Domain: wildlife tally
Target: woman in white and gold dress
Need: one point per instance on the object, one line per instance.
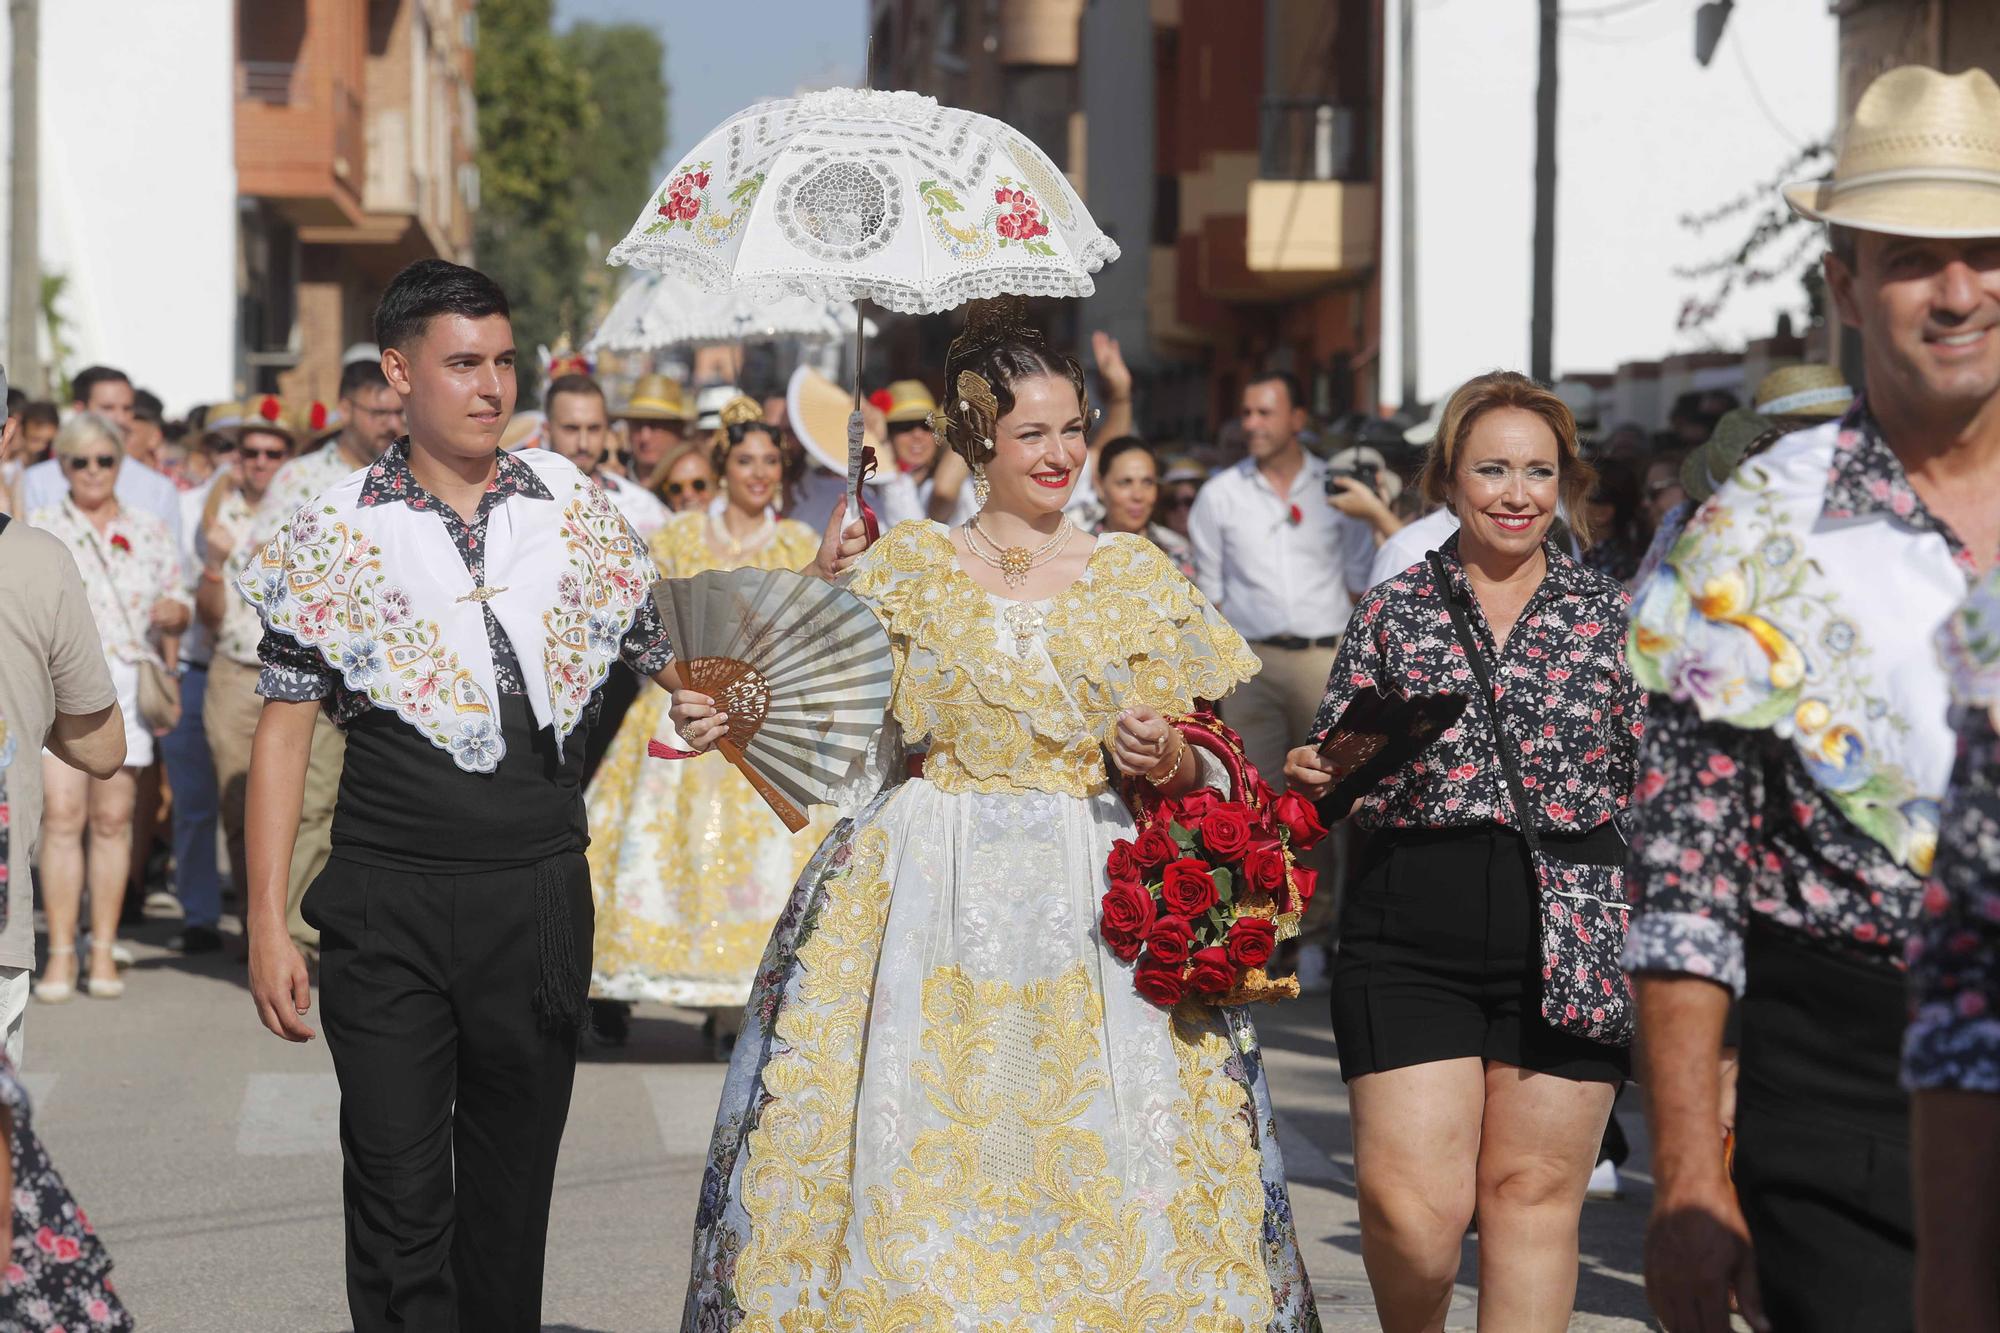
(948, 1109)
(689, 865)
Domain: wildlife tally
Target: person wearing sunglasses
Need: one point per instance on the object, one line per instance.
(132, 581)
(686, 477)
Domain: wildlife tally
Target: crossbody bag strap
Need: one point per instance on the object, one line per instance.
(1524, 814)
(124, 613)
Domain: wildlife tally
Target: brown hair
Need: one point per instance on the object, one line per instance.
(1508, 388)
(657, 483)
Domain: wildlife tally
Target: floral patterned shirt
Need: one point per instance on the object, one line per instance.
(126, 569)
(294, 671)
(1954, 1038)
(1567, 699)
(1731, 823)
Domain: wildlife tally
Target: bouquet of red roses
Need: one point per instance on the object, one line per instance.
(1204, 892)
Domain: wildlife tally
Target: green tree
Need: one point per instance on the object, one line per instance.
(618, 152)
(534, 109)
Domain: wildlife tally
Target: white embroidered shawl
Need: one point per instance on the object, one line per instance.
(382, 594)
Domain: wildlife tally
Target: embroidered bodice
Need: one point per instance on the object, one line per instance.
(685, 547)
(1020, 696)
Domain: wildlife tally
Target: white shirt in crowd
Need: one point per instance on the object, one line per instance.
(645, 511)
(1270, 576)
(1411, 543)
(44, 486)
(197, 644)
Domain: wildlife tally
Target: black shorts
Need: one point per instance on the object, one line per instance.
(1440, 957)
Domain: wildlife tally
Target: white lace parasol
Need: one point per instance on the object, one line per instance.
(663, 310)
(849, 195)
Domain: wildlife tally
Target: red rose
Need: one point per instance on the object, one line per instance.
(1128, 908)
(120, 542)
(317, 420)
(1154, 848)
(1294, 517)
(1300, 821)
(1121, 864)
(1211, 973)
(1264, 867)
(1304, 881)
(1192, 808)
(1226, 831)
(1251, 940)
(1187, 888)
(1160, 983)
(1170, 939)
(269, 408)
(881, 399)
(1123, 947)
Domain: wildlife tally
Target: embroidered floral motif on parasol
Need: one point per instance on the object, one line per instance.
(850, 195)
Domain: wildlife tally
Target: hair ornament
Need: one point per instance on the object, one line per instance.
(738, 411)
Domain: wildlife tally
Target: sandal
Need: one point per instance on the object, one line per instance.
(101, 988)
(55, 992)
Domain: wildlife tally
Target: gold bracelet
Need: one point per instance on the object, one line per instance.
(1159, 779)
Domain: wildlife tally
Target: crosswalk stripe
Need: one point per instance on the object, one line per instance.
(684, 1100)
(289, 1115)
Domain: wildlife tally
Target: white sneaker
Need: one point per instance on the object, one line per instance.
(162, 905)
(1313, 979)
(1604, 1182)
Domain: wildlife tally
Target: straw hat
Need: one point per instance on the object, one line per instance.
(910, 403)
(1803, 391)
(1921, 157)
(525, 430)
(1183, 469)
(268, 412)
(657, 398)
(818, 410)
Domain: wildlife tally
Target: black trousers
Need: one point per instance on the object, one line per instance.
(1822, 1139)
(445, 1078)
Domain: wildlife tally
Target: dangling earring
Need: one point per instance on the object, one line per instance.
(981, 488)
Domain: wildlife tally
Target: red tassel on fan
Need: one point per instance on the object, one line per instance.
(661, 750)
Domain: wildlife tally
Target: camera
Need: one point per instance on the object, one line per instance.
(1364, 472)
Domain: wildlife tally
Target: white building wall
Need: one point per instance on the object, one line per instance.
(1645, 135)
(138, 186)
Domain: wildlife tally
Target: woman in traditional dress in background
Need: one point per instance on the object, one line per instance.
(689, 865)
(949, 1109)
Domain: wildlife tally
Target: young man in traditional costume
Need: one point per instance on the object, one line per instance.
(456, 608)
(1798, 747)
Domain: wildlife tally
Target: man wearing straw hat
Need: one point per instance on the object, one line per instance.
(656, 419)
(1798, 749)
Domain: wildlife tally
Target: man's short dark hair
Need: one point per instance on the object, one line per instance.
(358, 375)
(146, 406)
(41, 412)
(90, 377)
(562, 384)
(1295, 396)
(16, 400)
(1844, 242)
(427, 289)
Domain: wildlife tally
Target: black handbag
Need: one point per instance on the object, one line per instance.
(1580, 879)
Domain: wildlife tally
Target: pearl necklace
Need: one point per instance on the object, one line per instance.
(1014, 562)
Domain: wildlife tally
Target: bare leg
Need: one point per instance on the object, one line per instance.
(1540, 1141)
(1416, 1146)
(65, 810)
(111, 805)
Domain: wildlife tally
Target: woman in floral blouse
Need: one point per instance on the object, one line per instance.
(1475, 1083)
(138, 598)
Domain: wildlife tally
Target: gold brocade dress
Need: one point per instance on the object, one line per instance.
(689, 866)
(948, 1110)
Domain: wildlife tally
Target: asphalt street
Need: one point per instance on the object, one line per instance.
(205, 1152)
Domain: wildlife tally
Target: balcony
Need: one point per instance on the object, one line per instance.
(1313, 216)
(299, 131)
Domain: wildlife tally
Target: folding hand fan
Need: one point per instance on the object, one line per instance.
(1377, 734)
(801, 667)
